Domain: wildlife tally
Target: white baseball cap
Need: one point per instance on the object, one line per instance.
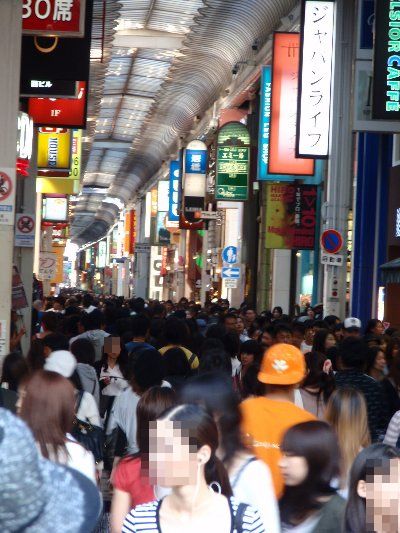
(62, 362)
(352, 322)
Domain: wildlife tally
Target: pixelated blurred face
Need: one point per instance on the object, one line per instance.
(380, 362)
(112, 346)
(330, 341)
(294, 469)
(239, 326)
(284, 337)
(231, 324)
(382, 492)
(172, 459)
(266, 340)
(250, 315)
(247, 359)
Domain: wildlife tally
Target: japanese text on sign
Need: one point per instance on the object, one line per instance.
(316, 75)
(53, 17)
(174, 190)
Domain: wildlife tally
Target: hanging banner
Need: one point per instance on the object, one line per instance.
(47, 266)
(285, 73)
(76, 154)
(291, 216)
(174, 193)
(54, 149)
(58, 275)
(18, 299)
(386, 86)
(233, 162)
(194, 184)
(317, 36)
(130, 232)
(54, 17)
(264, 129)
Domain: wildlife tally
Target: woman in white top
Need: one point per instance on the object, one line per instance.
(250, 478)
(47, 404)
(111, 373)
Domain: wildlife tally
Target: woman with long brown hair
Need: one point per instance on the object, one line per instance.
(346, 412)
(131, 482)
(47, 404)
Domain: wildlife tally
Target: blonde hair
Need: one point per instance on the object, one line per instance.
(346, 412)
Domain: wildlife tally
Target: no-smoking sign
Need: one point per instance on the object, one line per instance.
(25, 230)
(6, 186)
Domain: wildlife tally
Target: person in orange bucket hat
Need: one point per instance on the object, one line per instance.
(266, 418)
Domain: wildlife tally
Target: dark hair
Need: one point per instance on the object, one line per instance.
(215, 331)
(371, 356)
(48, 408)
(176, 363)
(320, 339)
(300, 327)
(393, 343)
(50, 321)
(331, 321)
(231, 342)
(145, 369)
(352, 353)
(215, 360)
(56, 341)
(175, 331)
(91, 321)
(202, 430)
(87, 300)
(35, 357)
(140, 325)
(371, 324)
(317, 443)
(251, 386)
(15, 369)
(316, 377)
(122, 359)
(376, 455)
(83, 351)
(69, 326)
(252, 348)
(215, 392)
(151, 405)
(228, 315)
(279, 309)
(285, 328)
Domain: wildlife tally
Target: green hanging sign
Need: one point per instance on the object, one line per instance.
(233, 163)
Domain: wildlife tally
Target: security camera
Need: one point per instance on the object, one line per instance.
(235, 69)
(256, 45)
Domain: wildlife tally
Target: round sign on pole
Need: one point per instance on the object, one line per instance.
(5, 186)
(25, 224)
(331, 241)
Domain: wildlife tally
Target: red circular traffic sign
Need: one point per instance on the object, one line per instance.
(25, 224)
(6, 186)
(331, 241)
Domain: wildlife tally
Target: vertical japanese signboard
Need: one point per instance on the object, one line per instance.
(285, 75)
(233, 162)
(264, 129)
(291, 216)
(386, 86)
(174, 192)
(62, 18)
(317, 32)
(54, 149)
(194, 185)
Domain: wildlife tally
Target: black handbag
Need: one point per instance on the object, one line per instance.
(90, 436)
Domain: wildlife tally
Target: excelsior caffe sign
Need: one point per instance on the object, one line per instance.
(386, 90)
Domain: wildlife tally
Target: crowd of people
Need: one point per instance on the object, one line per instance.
(134, 416)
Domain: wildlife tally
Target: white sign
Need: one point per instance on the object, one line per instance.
(7, 196)
(231, 283)
(155, 279)
(24, 136)
(3, 337)
(25, 230)
(210, 215)
(142, 248)
(332, 259)
(163, 195)
(315, 78)
(47, 265)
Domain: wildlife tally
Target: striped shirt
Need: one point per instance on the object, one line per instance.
(146, 518)
(393, 431)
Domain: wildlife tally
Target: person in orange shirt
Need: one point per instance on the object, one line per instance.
(265, 419)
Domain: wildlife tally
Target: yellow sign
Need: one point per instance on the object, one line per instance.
(57, 186)
(59, 275)
(76, 154)
(54, 149)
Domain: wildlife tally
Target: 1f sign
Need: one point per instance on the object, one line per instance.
(318, 24)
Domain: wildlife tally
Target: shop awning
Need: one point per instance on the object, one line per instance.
(391, 272)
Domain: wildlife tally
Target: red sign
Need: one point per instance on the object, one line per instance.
(61, 112)
(6, 186)
(331, 241)
(285, 79)
(25, 224)
(63, 18)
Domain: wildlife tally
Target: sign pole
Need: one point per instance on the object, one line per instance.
(336, 209)
(10, 30)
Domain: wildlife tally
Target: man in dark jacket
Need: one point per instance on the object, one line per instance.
(352, 358)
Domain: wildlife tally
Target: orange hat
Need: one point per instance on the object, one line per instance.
(282, 364)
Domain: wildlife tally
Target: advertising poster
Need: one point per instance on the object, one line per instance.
(19, 300)
(291, 216)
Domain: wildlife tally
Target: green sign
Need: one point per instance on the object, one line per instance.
(233, 163)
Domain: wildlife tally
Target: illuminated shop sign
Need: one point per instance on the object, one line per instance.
(174, 191)
(386, 87)
(194, 183)
(50, 88)
(53, 17)
(285, 73)
(313, 121)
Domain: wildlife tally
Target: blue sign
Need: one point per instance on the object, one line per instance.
(231, 273)
(195, 161)
(174, 191)
(229, 255)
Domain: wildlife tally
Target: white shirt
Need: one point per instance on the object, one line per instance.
(118, 382)
(254, 486)
(123, 415)
(305, 348)
(77, 458)
(236, 366)
(88, 410)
